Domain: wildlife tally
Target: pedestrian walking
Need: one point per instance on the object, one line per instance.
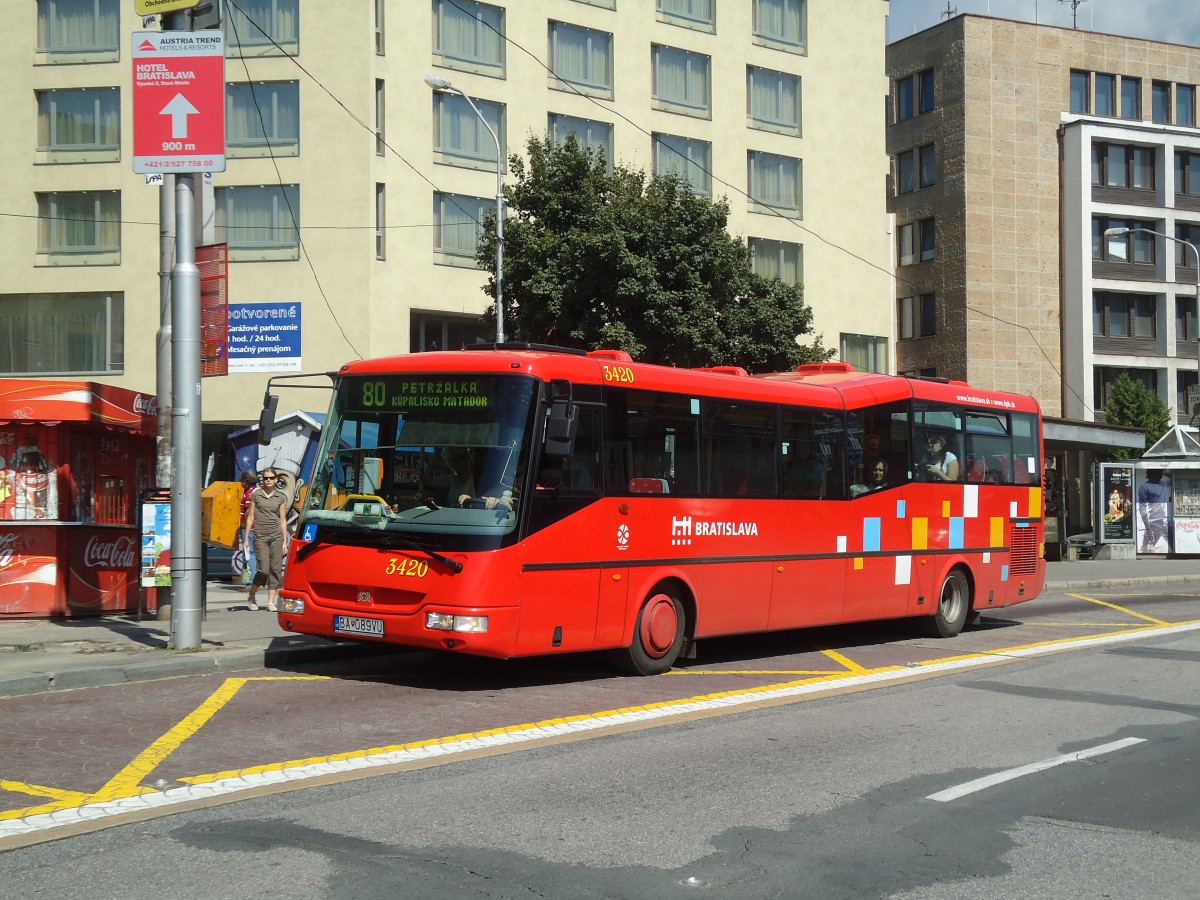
(267, 519)
(249, 486)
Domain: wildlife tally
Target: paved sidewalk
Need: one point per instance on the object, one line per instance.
(46, 655)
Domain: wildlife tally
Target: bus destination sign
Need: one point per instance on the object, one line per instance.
(397, 395)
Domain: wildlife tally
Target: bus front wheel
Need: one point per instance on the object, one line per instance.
(954, 605)
(657, 636)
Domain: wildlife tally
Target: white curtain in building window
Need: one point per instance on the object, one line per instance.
(580, 54)
(590, 134)
(700, 10)
(776, 259)
(258, 217)
(60, 333)
(72, 120)
(246, 22)
(459, 222)
(78, 24)
(681, 77)
(775, 180)
(470, 31)
(249, 107)
(774, 97)
(778, 19)
(460, 131)
(83, 221)
(689, 158)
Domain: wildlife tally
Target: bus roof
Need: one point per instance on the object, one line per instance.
(825, 385)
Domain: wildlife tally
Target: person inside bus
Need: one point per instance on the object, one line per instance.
(462, 477)
(877, 475)
(941, 464)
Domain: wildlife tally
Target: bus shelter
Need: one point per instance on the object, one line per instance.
(75, 457)
(1151, 506)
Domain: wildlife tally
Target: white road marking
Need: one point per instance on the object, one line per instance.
(988, 781)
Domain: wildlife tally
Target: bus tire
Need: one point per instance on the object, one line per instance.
(657, 635)
(954, 604)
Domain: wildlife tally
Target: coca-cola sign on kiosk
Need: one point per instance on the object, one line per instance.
(103, 570)
(28, 571)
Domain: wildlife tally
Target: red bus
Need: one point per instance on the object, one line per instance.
(520, 500)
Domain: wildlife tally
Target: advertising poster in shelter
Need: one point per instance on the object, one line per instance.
(1154, 510)
(1116, 506)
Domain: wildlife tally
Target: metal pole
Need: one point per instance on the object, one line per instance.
(186, 570)
(166, 258)
(499, 216)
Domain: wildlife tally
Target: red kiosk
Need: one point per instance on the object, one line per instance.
(75, 459)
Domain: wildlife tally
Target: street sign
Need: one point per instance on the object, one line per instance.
(178, 101)
(153, 7)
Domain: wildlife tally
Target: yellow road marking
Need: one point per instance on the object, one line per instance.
(751, 672)
(850, 664)
(127, 782)
(40, 790)
(1130, 612)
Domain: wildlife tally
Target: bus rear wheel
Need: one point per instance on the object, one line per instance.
(657, 636)
(954, 605)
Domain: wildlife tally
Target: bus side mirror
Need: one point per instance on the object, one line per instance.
(266, 419)
(563, 421)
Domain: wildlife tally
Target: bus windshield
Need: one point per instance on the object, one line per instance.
(437, 457)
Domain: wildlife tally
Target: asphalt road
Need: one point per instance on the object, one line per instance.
(864, 789)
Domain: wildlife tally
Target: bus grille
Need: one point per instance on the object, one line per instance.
(1024, 555)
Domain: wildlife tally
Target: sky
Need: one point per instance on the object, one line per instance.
(1174, 21)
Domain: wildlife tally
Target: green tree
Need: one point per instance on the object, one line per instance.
(1132, 403)
(595, 259)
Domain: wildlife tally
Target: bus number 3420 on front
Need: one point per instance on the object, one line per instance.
(411, 568)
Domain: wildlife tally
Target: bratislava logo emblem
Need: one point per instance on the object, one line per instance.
(622, 536)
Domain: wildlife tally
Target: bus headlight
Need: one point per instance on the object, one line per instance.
(463, 624)
(291, 605)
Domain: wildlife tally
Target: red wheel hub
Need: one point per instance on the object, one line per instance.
(660, 623)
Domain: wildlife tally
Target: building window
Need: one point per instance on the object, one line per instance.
(79, 30)
(436, 331)
(915, 169)
(1081, 92)
(1185, 105)
(379, 33)
(699, 14)
(74, 124)
(77, 228)
(914, 95)
(1131, 98)
(1106, 90)
(1105, 377)
(1135, 247)
(460, 139)
(380, 117)
(458, 224)
(1160, 102)
(781, 24)
(773, 100)
(1123, 315)
(262, 27)
(777, 259)
(1187, 173)
(917, 317)
(917, 242)
(380, 221)
(775, 181)
(1122, 166)
(582, 57)
(592, 135)
(1185, 319)
(867, 353)
(469, 36)
(681, 81)
(262, 118)
(689, 158)
(62, 334)
(1189, 233)
(259, 223)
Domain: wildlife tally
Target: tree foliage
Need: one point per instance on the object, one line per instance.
(1132, 403)
(618, 260)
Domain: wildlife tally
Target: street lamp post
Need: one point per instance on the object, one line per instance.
(1121, 232)
(438, 83)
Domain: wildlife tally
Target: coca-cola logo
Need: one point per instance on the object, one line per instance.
(24, 412)
(8, 549)
(115, 553)
(145, 406)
